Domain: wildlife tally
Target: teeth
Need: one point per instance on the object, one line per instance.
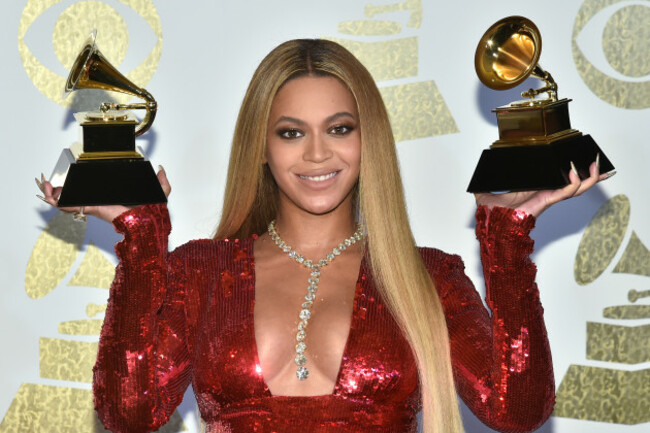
(319, 178)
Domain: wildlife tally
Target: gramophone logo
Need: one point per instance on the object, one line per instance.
(613, 388)
(618, 69)
(74, 22)
(61, 258)
(417, 109)
(65, 257)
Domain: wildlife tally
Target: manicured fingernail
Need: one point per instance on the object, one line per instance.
(38, 184)
(574, 169)
(160, 168)
(610, 174)
(42, 198)
(42, 178)
(598, 161)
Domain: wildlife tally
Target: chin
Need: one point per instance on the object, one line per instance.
(319, 204)
(320, 210)
(322, 207)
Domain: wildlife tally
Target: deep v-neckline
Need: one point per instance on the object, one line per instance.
(344, 356)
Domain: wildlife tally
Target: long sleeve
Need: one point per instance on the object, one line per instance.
(501, 360)
(143, 365)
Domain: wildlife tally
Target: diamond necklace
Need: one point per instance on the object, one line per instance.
(305, 313)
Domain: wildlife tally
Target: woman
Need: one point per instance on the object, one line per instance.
(309, 323)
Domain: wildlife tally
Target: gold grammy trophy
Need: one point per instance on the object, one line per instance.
(107, 167)
(536, 143)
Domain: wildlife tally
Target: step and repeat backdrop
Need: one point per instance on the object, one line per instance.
(196, 58)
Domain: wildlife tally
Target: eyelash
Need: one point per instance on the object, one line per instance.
(336, 130)
(292, 133)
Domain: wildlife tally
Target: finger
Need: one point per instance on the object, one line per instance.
(591, 180)
(164, 182)
(603, 176)
(48, 200)
(48, 192)
(47, 188)
(606, 176)
(568, 191)
(39, 184)
(51, 195)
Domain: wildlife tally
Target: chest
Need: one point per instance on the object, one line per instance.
(302, 322)
(376, 362)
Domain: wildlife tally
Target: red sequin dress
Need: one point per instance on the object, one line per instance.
(187, 317)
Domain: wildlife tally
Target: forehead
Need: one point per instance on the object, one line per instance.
(313, 96)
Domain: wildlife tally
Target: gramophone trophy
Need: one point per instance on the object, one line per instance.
(536, 144)
(106, 167)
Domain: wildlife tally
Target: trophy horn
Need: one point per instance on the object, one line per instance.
(508, 53)
(91, 70)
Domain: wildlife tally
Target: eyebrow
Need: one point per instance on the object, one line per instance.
(329, 119)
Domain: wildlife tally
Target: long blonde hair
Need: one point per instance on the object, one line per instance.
(398, 271)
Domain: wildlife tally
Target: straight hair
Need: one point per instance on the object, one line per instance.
(400, 276)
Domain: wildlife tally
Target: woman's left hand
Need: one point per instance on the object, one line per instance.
(536, 202)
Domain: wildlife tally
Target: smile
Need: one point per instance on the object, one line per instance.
(320, 178)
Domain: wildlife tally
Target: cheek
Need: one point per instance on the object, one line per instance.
(355, 164)
(353, 155)
(280, 159)
(272, 155)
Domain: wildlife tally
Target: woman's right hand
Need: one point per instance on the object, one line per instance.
(106, 213)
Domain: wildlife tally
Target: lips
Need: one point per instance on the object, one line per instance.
(319, 178)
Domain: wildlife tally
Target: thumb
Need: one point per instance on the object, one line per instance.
(164, 182)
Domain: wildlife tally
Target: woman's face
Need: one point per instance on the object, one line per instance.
(313, 144)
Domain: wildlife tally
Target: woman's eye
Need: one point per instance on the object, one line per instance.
(341, 129)
(290, 133)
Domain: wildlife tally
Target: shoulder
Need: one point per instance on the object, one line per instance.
(223, 252)
(437, 261)
(447, 272)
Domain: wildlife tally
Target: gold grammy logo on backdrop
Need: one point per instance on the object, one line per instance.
(416, 109)
(63, 257)
(63, 401)
(622, 76)
(73, 25)
(63, 408)
(609, 393)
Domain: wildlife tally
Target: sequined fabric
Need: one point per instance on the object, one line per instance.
(187, 317)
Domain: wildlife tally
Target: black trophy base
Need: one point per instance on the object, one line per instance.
(108, 137)
(109, 182)
(535, 167)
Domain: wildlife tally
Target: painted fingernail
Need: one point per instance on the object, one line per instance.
(598, 161)
(42, 198)
(39, 184)
(610, 174)
(574, 169)
(42, 178)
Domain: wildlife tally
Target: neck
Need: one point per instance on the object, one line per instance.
(314, 235)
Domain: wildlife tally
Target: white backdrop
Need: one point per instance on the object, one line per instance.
(197, 57)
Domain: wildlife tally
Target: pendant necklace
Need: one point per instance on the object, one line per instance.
(314, 266)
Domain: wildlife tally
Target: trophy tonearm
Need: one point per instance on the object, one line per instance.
(107, 167)
(536, 146)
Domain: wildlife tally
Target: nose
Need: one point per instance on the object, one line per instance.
(317, 149)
